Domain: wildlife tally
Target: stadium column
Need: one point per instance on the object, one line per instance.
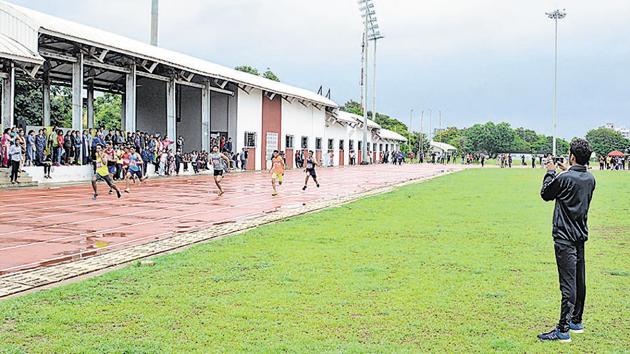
(171, 123)
(129, 120)
(205, 117)
(46, 99)
(8, 97)
(77, 93)
(90, 106)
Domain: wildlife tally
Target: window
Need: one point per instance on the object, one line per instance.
(305, 142)
(360, 145)
(250, 139)
(374, 147)
(318, 143)
(289, 142)
(380, 147)
(341, 145)
(386, 147)
(351, 144)
(331, 144)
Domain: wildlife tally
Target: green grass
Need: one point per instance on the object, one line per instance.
(463, 263)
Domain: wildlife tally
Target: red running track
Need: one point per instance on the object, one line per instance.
(44, 226)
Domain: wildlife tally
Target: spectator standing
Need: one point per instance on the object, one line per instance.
(30, 148)
(243, 156)
(15, 155)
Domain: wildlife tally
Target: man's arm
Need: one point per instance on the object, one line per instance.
(551, 183)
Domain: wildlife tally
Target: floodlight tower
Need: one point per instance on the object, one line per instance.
(370, 32)
(555, 15)
(154, 22)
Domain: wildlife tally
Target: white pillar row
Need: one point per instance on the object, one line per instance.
(171, 102)
(77, 93)
(129, 121)
(46, 98)
(90, 107)
(8, 98)
(205, 117)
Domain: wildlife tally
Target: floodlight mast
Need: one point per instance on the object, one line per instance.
(154, 22)
(370, 32)
(555, 15)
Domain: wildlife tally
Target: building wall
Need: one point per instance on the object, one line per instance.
(249, 107)
(271, 124)
(190, 112)
(300, 121)
(151, 106)
(337, 132)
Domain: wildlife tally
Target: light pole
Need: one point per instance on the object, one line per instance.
(555, 15)
(420, 135)
(410, 129)
(154, 22)
(370, 32)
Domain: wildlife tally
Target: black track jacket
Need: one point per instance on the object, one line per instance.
(572, 191)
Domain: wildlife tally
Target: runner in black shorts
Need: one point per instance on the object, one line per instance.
(310, 170)
(216, 157)
(102, 172)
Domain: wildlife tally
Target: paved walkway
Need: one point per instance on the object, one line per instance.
(45, 226)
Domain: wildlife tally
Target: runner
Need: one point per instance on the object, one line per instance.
(134, 169)
(217, 165)
(310, 170)
(277, 171)
(111, 161)
(102, 172)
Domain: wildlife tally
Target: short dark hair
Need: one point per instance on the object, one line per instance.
(581, 149)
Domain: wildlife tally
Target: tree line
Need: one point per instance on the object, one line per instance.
(495, 138)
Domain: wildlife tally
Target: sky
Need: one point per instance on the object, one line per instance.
(473, 60)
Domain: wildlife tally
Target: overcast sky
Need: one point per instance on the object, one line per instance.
(475, 60)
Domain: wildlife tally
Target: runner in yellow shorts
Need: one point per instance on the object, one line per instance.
(277, 170)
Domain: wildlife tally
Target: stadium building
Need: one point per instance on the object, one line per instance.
(174, 94)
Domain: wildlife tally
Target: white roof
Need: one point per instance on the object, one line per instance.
(443, 146)
(386, 134)
(354, 118)
(13, 50)
(91, 36)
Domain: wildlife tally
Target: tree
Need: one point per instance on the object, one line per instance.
(29, 102)
(270, 75)
(451, 135)
(489, 138)
(353, 107)
(605, 140)
(248, 69)
(107, 111)
(544, 145)
(61, 106)
(528, 135)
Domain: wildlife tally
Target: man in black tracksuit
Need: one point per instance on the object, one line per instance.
(572, 190)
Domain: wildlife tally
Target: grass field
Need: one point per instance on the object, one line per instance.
(463, 263)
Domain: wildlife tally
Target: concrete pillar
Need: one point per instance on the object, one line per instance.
(205, 117)
(8, 98)
(90, 107)
(46, 98)
(171, 109)
(77, 92)
(123, 111)
(129, 122)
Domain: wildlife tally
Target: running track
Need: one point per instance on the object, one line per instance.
(44, 226)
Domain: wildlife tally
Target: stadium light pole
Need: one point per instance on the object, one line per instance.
(555, 15)
(410, 129)
(154, 22)
(370, 32)
(420, 134)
